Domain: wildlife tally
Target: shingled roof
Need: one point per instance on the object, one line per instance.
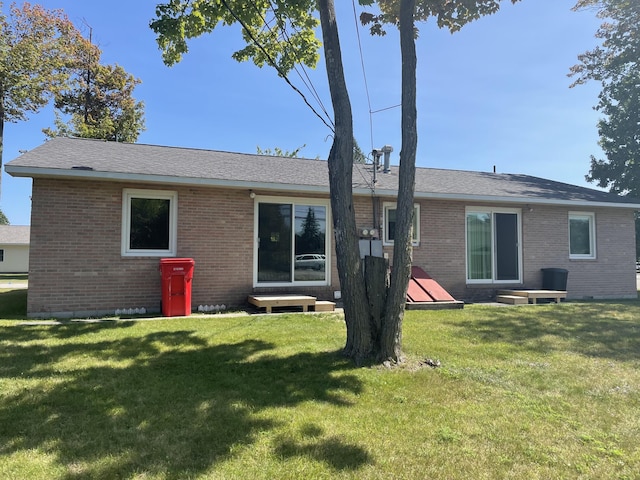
(65, 157)
(14, 234)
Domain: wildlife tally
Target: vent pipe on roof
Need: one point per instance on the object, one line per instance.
(387, 149)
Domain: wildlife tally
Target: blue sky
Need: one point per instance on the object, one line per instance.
(494, 94)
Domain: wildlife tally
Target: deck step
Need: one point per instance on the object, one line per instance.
(512, 299)
(324, 306)
(268, 302)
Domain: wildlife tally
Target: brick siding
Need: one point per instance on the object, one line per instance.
(76, 266)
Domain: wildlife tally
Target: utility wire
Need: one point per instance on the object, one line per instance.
(364, 72)
(387, 108)
(273, 63)
(298, 66)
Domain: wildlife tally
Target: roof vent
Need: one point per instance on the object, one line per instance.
(387, 149)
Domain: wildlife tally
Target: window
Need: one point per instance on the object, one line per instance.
(493, 246)
(292, 244)
(389, 223)
(149, 223)
(1, 255)
(582, 235)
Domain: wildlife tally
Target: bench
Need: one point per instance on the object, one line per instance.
(269, 301)
(533, 295)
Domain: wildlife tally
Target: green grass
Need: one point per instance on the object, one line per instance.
(532, 392)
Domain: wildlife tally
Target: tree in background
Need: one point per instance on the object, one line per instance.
(99, 100)
(278, 152)
(3, 219)
(615, 65)
(358, 154)
(369, 337)
(38, 49)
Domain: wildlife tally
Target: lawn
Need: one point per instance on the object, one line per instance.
(532, 392)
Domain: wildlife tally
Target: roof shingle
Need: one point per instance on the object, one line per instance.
(74, 157)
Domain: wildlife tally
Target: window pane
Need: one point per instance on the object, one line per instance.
(391, 224)
(311, 229)
(479, 246)
(149, 224)
(506, 226)
(274, 247)
(579, 236)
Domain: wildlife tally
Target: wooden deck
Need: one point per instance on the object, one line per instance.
(268, 302)
(513, 296)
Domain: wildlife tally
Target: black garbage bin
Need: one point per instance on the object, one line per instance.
(554, 278)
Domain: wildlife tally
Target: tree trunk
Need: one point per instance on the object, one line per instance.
(359, 344)
(391, 335)
(376, 274)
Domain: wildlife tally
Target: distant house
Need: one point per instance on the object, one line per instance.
(104, 214)
(14, 249)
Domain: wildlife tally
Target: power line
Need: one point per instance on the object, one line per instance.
(364, 72)
(364, 75)
(273, 63)
(297, 66)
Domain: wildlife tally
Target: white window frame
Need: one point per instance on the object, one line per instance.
(415, 234)
(328, 236)
(591, 217)
(127, 195)
(491, 211)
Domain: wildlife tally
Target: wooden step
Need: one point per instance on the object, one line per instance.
(269, 301)
(512, 299)
(324, 306)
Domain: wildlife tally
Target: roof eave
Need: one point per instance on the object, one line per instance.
(38, 172)
(507, 199)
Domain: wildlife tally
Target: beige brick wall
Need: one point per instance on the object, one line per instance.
(76, 267)
(545, 234)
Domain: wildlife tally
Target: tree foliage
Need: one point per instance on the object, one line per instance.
(615, 64)
(289, 38)
(99, 100)
(38, 50)
(279, 152)
(449, 14)
(3, 218)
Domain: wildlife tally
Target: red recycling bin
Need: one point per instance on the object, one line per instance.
(176, 275)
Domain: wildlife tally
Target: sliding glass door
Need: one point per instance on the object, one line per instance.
(493, 246)
(292, 242)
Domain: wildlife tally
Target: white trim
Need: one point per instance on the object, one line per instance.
(327, 246)
(591, 216)
(127, 195)
(415, 235)
(491, 211)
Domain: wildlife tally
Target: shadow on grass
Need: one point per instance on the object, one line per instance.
(604, 329)
(13, 304)
(173, 405)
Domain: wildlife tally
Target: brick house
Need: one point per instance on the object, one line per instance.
(104, 214)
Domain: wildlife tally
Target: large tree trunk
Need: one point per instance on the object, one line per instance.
(359, 344)
(391, 335)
